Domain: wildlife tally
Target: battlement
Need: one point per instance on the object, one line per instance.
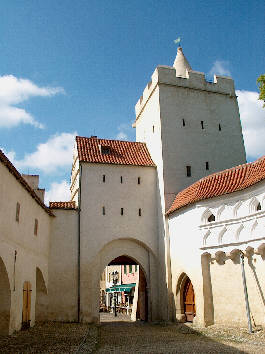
(194, 80)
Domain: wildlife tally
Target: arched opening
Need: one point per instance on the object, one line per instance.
(185, 299)
(123, 291)
(41, 304)
(5, 295)
(26, 312)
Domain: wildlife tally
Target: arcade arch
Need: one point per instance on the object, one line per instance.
(5, 299)
(185, 299)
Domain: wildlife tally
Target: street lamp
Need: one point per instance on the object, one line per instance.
(115, 278)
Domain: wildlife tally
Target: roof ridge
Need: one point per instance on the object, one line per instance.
(123, 141)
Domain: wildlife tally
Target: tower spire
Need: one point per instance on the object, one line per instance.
(181, 64)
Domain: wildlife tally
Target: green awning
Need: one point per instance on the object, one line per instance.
(123, 287)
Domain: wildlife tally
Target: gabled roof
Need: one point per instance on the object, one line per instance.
(120, 152)
(224, 182)
(62, 205)
(11, 168)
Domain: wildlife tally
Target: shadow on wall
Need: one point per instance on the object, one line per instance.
(41, 298)
(5, 299)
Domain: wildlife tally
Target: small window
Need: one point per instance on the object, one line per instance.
(105, 150)
(125, 269)
(219, 127)
(188, 170)
(207, 165)
(202, 125)
(140, 212)
(17, 212)
(36, 227)
(258, 207)
(130, 268)
(139, 180)
(153, 128)
(183, 122)
(211, 218)
(121, 211)
(103, 211)
(121, 179)
(104, 178)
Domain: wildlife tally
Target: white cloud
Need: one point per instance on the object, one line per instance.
(14, 91)
(56, 153)
(253, 123)
(220, 67)
(123, 129)
(58, 192)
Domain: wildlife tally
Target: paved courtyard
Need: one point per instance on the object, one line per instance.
(120, 335)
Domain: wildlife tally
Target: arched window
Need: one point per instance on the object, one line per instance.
(258, 207)
(211, 218)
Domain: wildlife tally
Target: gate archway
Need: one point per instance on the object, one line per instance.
(5, 299)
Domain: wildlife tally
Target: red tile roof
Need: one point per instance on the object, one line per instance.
(22, 181)
(121, 152)
(63, 205)
(224, 182)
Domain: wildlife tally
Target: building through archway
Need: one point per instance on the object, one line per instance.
(123, 289)
(5, 295)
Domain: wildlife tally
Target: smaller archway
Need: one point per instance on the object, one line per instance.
(41, 304)
(185, 299)
(26, 311)
(5, 295)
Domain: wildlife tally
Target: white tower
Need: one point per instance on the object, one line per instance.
(191, 126)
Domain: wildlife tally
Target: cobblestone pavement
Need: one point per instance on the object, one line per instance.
(120, 335)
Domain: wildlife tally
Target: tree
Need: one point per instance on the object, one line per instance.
(261, 84)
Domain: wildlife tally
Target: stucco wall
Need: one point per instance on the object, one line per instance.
(32, 250)
(63, 266)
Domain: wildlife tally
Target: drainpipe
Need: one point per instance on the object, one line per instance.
(245, 292)
(78, 246)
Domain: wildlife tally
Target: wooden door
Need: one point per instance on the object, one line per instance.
(26, 304)
(189, 301)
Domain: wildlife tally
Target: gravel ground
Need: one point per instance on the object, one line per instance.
(123, 336)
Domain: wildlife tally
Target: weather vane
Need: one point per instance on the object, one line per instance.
(177, 41)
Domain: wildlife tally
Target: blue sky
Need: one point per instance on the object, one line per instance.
(71, 67)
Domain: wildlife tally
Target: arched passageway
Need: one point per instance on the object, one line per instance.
(41, 304)
(123, 289)
(5, 300)
(185, 299)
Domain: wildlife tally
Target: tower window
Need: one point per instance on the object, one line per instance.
(121, 179)
(207, 165)
(183, 122)
(258, 207)
(140, 212)
(103, 211)
(153, 128)
(188, 170)
(219, 127)
(104, 178)
(202, 124)
(121, 211)
(17, 212)
(36, 227)
(139, 180)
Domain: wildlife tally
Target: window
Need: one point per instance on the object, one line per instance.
(135, 268)
(258, 207)
(183, 122)
(125, 269)
(153, 128)
(202, 125)
(219, 127)
(211, 218)
(121, 211)
(121, 179)
(103, 211)
(104, 178)
(105, 150)
(207, 165)
(139, 180)
(36, 227)
(188, 170)
(17, 212)
(140, 212)
(130, 268)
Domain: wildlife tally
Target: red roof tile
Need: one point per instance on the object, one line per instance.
(121, 152)
(224, 182)
(22, 181)
(63, 205)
